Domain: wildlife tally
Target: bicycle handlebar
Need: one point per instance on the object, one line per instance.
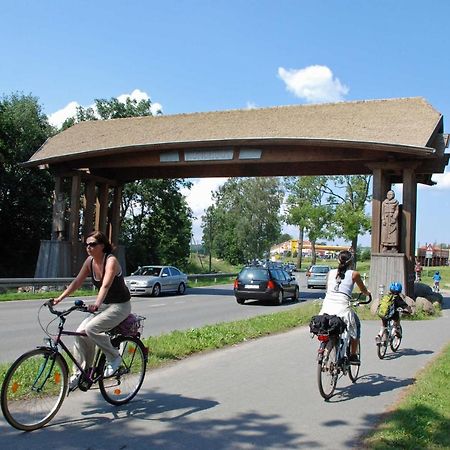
(79, 306)
(358, 302)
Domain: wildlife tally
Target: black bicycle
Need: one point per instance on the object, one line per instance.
(37, 383)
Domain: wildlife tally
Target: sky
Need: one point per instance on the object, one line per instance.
(212, 55)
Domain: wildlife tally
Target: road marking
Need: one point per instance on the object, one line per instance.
(157, 304)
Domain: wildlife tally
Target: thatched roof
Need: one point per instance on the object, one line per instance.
(404, 122)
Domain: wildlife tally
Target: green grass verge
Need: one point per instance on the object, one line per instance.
(422, 419)
(9, 296)
(180, 344)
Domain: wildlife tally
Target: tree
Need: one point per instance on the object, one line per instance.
(306, 208)
(25, 194)
(350, 195)
(244, 220)
(156, 221)
(156, 226)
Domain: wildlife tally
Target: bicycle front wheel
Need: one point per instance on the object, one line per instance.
(382, 346)
(125, 384)
(353, 370)
(396, 339)
(33, 389)
(327, 374)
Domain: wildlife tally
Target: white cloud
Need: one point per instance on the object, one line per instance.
(315, 84)
(199, 198)
(70, 110)
(57, 118)
(250, 105)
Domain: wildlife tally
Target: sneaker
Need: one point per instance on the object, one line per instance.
(354, 360)
(73, 381)
(378, 339)
(111, 367)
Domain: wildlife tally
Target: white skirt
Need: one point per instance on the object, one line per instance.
(336, 304)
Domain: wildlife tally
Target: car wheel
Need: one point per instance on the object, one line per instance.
(181, 289)
(241, 301)
(156, 290)
(279, 300)
(296, 297)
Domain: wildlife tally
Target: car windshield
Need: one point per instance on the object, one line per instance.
(148, 271)
(254, 274)
(320, 269)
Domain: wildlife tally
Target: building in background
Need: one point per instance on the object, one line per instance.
(291, 246)
(432, 255)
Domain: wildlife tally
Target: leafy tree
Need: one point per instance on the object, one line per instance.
(306, 208)
(25, 194)
(244, 220)
(156, 227)
(350, 194)
(156, 220)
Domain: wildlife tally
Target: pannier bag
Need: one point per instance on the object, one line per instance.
(326, 324)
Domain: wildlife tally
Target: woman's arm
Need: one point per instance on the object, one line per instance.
(76, 283)
(359, 282)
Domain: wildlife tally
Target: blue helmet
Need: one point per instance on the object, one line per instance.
(396, 287)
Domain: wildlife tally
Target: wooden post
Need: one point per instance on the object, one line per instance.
(88, 219)
(115, 220)
(102, 207)
(74, 223)
(408, 233)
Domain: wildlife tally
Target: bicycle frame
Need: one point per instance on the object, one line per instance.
(341, 343)
(88, 376)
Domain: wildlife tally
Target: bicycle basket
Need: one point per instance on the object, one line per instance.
(131, 326)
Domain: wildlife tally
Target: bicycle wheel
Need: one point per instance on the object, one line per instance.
(33, 389)
(327, 374)
(353, 370)
(382, 346)
(125, 384)
(396, 339)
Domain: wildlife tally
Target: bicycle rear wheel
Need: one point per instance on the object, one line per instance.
(353, 370)
(396, 339)
(33, 389)
(126, 382)
(327, 373)
(382, 346)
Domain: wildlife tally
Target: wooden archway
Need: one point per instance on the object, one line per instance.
(397, 140)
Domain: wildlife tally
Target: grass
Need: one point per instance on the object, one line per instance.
(10, 295)
(422, 419)
(180, 344)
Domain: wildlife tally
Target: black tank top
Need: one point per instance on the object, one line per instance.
(118, 292)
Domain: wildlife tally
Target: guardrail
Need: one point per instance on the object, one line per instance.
(33, 283)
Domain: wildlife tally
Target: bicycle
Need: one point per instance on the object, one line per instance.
(333, 358)
(36, 384)
(391, 336)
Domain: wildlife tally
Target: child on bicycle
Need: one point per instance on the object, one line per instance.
(388, 308)
(436, 278)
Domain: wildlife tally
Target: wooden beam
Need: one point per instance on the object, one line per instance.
(89, 210)
(115, 219)
(74, 221)
(103, 197)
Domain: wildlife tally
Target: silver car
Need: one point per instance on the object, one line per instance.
(152, 280)
(316, 276)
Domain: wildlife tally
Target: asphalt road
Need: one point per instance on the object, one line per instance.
(261, 394)
(20, 330)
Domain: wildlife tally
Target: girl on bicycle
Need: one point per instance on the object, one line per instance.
(340, 283)
(395, 290)
(437, 279)
(111, 307)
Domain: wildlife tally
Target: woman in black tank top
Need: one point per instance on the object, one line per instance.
(111, 306)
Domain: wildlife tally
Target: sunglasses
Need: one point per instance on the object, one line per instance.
(91, 244)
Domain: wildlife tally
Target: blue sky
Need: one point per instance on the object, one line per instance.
(201, 55)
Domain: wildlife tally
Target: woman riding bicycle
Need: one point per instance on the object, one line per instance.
(111, 307)
(340, 283)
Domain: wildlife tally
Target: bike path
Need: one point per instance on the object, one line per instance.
(261, 394)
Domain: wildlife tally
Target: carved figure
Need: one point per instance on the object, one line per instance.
(58, 218)
(389, 223)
